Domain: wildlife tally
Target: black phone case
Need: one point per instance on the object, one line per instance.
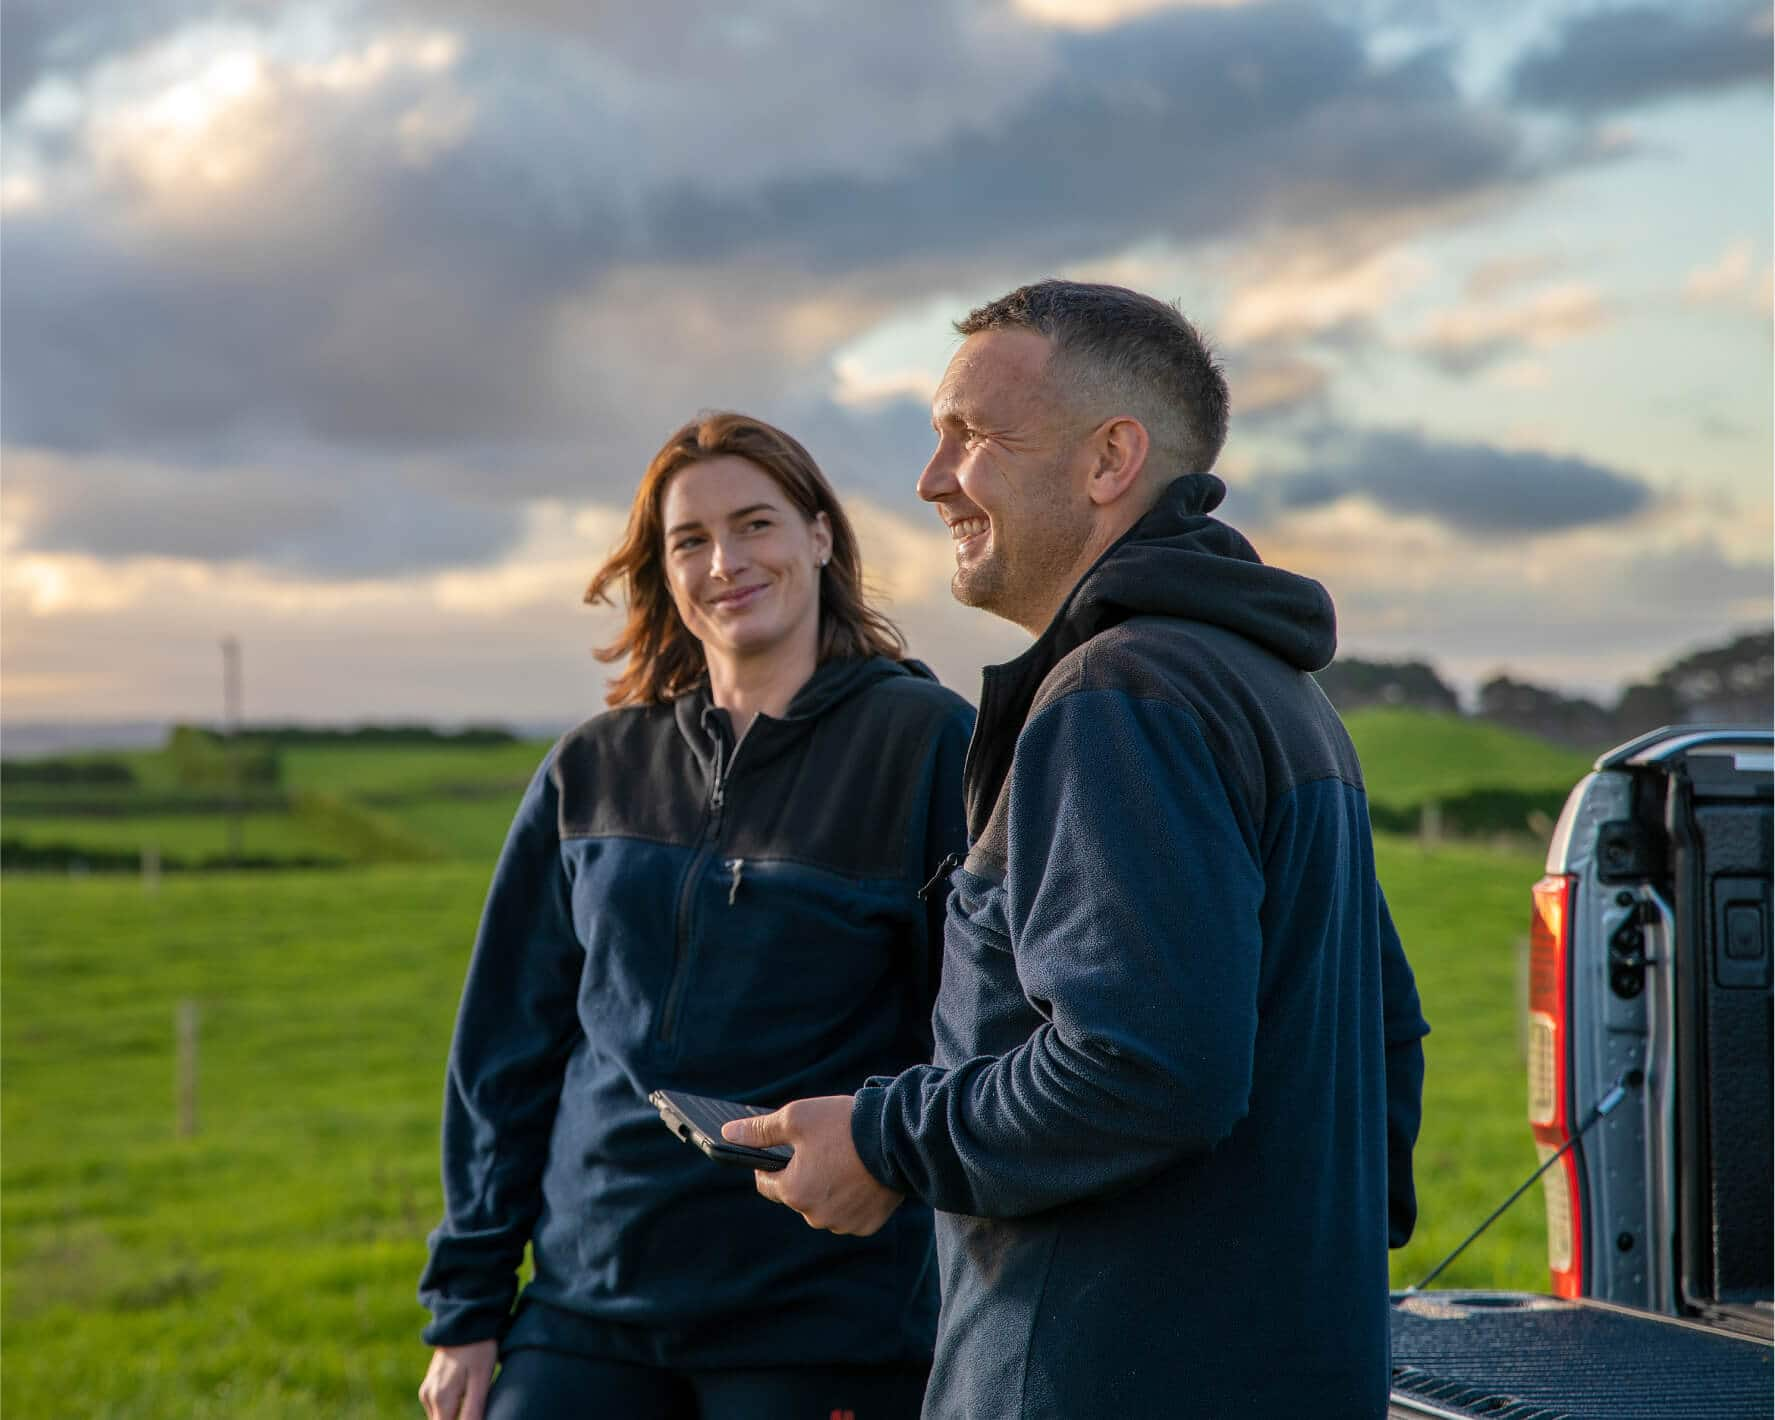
(697, 1119)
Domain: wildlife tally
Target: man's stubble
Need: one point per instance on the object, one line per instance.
(1025, 582)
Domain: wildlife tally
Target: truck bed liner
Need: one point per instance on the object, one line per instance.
(1519, 1356)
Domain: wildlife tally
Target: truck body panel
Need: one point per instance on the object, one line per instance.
(1650, 973)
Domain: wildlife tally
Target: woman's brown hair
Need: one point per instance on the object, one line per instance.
(664, 659)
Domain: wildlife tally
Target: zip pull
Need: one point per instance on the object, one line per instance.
(733, 890)
(951, 861)
(720, 773)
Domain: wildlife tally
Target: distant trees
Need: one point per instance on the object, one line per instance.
(366, 736)
(1353, 684)
(109, 772)
(1536, 710)
(1731, 683)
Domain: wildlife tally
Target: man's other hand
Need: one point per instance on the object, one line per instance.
(825, 1182)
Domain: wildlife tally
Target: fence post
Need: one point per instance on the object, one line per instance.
(1430, 823)
(187, 1083)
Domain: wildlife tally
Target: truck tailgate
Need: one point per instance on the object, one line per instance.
(1519, 1356)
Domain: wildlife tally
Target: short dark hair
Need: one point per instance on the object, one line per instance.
(1119, 352)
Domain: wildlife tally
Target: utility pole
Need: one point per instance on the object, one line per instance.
(231, 732)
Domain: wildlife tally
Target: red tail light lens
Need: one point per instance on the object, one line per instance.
(1549, 1075)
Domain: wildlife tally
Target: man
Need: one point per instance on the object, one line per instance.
(1177, 1076)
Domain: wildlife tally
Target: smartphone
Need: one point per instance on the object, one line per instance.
(697, 1119)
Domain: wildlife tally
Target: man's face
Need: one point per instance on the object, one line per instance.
(1004, 478)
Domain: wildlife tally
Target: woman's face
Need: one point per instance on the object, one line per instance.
(742, 563)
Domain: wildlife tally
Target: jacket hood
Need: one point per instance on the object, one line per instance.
(705, 725)
(1178, 561)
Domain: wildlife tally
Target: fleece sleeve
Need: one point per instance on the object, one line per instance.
(1132, 896)
(1405, 1030)
(514, 1030)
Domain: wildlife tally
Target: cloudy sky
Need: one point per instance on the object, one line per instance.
(346, 328)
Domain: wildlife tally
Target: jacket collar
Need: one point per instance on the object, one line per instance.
(1176, 561)
(708, 731)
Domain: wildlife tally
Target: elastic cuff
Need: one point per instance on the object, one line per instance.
(470, 1324)
(868, 1115)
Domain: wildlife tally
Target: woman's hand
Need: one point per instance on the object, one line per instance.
(455, 1387)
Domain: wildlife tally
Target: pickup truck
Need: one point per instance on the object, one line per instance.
(1649, 1065)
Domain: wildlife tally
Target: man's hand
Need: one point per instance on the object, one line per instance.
(455, 1388)
(825, 1182)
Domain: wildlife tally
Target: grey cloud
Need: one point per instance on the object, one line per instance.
(559, 289)
(1471, 488)
(1268, 385)
(39, 38)
(1189, 124)
(1615, 58)
(879, 451)
(295, 519)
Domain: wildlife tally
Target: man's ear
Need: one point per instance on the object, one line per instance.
(1120, 447)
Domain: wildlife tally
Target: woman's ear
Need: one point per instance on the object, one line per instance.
(822, 534)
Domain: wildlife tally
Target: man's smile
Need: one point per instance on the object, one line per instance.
(968, 533)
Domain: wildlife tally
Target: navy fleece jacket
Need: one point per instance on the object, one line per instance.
(671, 912)
(1176, 1085)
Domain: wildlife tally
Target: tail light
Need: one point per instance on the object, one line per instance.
(1549, 1076)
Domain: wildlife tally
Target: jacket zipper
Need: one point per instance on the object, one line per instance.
(940, 878)
(705, 850)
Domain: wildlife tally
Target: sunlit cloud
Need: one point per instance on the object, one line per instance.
(1406, 586)
(856, 386)
(1493, 278)
(355, 330)
(1467, 336)
(1724, 277)
(1102, 14)
(1731, 279)
(1274, 384)
(223, 108)
(1311, 295)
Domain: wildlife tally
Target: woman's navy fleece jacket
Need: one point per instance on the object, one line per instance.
(672, 913)
(1177, 1078)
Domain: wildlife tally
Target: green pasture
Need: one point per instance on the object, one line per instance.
(413, 770)
(352, 804)
(266, 1267)
(196, 836)
(1409, 756)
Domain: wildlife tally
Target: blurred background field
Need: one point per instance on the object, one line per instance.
(265, 1266)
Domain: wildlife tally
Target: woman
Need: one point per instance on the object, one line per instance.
(714, 888)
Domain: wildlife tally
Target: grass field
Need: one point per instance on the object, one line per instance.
(418, 769)
(389, 803)
(265, 1268)
(1409, 756)
(280, 835)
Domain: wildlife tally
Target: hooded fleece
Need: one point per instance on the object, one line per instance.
(1177, 1077)
(673, 912)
